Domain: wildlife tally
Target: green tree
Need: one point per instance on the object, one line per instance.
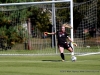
(13, 19)
(40, 18)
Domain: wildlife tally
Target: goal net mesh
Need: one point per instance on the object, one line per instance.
(86, 33)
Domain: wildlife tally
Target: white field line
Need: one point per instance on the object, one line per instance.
(89, 54)
(82, 54)
(24, 54)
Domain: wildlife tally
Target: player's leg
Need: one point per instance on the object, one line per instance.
(71, 50)
(61, 49)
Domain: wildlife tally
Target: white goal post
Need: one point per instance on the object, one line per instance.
(31, 3)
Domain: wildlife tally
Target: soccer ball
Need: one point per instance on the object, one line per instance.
(73, 58)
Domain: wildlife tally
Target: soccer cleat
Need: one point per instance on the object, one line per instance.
(63, 60)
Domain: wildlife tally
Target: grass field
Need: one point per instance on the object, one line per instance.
(49, 65)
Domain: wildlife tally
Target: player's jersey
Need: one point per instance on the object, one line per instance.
(61, 36)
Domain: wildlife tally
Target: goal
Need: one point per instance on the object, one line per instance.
(25, 23)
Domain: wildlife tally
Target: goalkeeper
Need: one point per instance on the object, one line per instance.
(62, 42)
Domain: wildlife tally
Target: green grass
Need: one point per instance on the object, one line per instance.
(49, 50)
(49, 65)
(45, 51)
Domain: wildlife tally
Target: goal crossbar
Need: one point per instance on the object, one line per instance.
(29, 3)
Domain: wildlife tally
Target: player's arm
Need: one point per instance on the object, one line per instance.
(47, 33)
(71, 41)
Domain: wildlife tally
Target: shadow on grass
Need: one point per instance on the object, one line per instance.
(53, 60)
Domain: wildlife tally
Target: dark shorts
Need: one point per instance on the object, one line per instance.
(65, 45)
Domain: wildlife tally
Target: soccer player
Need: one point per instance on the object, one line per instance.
(62, 42)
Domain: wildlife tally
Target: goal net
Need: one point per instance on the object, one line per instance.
(22, 25)
(86, 32)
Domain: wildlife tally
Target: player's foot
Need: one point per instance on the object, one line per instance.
(63, 60)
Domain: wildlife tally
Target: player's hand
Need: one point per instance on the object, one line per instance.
(45, 33)
(74, 44)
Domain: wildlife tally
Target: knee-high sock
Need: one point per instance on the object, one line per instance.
(62, 56)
